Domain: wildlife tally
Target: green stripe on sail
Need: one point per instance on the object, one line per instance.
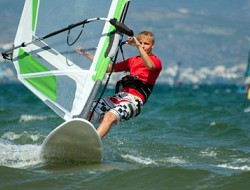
(34, 13)
(119, 9)
(46, 84)
(103, 62)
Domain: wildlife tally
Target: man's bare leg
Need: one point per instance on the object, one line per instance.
(108, 120)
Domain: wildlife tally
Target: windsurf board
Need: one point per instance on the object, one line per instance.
(75, 140)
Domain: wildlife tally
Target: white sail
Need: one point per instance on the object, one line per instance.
(66, 81)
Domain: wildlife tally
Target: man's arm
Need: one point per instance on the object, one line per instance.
(146, 59)
(81, 51)
(109, 69)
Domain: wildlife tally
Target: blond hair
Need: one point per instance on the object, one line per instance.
(147, 34)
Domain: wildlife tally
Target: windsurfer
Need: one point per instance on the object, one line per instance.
(127, 103)
(81, 51)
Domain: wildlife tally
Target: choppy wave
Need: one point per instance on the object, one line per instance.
(19, 156)
(139, 160)
(233, 167)
(247, 110)
(22, 137)
(30, 118)
(20, 149)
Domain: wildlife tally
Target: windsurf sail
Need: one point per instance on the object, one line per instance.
(1, 73)
(247, 73)
(44, 50)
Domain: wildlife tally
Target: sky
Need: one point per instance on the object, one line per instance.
(197, 33)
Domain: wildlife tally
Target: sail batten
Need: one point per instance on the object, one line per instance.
(56, 73)
(47, 63)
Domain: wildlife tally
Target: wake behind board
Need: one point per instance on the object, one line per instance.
(75, 140)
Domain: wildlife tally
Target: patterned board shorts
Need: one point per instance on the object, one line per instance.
(123, 105)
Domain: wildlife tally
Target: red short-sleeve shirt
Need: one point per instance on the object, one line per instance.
(136, 67)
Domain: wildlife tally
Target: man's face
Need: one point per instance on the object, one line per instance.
(147, 44)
